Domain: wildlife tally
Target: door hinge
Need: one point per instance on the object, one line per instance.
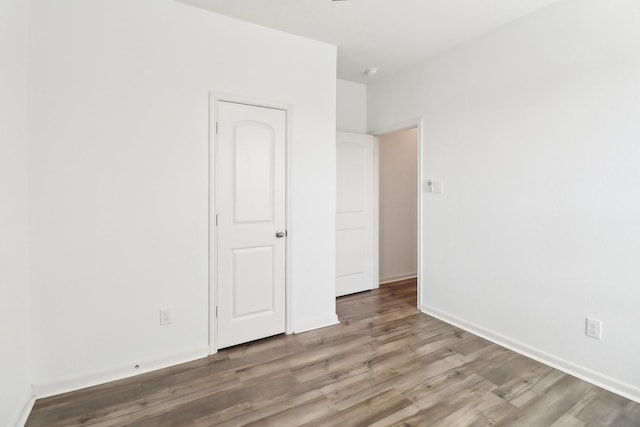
(216, 220)
(216, 311)
(216, 128)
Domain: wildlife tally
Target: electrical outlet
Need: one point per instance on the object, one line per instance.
(165, 316)
(594, 328)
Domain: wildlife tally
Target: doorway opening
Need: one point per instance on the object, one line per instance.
(379, 199)
(399, 208)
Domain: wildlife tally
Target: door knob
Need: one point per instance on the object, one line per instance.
(280, 234)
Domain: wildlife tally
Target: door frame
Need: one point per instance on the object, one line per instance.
(419, 125)
(214, 98)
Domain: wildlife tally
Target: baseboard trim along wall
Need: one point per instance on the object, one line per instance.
(22, 417)
(398, 277)
(611, 384)
(101, 377)
(119, 373)
(321, 323)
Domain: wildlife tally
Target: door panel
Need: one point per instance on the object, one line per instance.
(351, 167)
(254, 173)
(254, 289)
(354, 216)
(250, 202)
(351, 252)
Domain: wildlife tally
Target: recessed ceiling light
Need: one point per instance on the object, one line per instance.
(371, 72)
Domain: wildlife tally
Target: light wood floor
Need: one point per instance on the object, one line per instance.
(385, 364)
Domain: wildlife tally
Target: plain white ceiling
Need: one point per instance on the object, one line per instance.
(388, 34)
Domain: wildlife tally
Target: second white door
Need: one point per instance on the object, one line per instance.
(251, 234)
(355, 243)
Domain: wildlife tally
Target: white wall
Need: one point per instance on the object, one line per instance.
(119, 174)
(15, 378)
(398, 157)
(534, 130)
(351, 100)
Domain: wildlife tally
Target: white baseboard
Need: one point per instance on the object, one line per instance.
(22, 417)
(42, 390)
(398, 277)
(596, 378)
(317, 324)
(118, 373)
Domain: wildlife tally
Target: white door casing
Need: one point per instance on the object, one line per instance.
(419, 124)
(250, 207)
(355, 233)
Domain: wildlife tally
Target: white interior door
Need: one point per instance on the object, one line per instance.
(355, 214)
(251, 235)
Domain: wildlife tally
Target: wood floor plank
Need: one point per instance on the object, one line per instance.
(396, 416)
(303, 413)
(568, 421)
(481, 409)
(628, 416)
(366, 412)
(384, 364)
(257, 409)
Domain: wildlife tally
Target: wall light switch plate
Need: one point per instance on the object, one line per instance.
(428, 186)
(437, 186)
